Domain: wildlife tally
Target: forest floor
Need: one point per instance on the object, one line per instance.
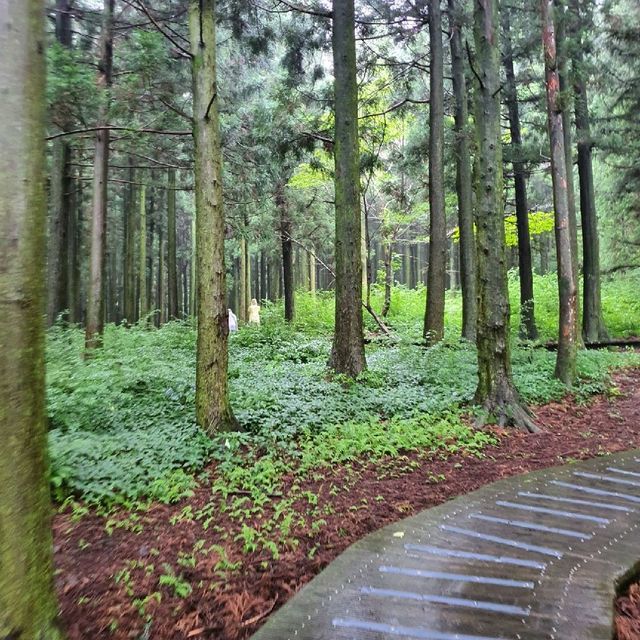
(161, 572)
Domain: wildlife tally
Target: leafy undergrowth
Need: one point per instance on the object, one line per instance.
(122, 425)
(260, 524)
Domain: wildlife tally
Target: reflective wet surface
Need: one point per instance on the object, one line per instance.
(534, 556)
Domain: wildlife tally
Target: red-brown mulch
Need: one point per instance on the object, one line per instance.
(627, 617)
(102, 578)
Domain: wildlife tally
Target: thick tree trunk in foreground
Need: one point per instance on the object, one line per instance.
(527, 316)
(213, 409)
(437, 274)
(464, 182)
(95, 299)
(172, 265)
(28, 608)
(347, 352)
(496, 391)
(593, 327)
(567, 339)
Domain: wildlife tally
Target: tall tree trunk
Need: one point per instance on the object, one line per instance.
(213, 409)
(527, 316)
(244, 280)
(561, 22)
(75, 254)
(95, 299)
(593, 327)
(437, 274)
(28, 607)
(496, 391)
(194, 274)
(287, 254)
(130, 251)
(172, 268)
(347, 352)
(312, 271)
(388, 278)
(567, 339)
(160, 318)
(142, 255)
(263, 276)
(61, 187)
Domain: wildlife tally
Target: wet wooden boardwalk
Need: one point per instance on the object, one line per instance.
(530, 557)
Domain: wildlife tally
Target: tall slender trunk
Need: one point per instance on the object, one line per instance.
(143, 308)
(496, 391)
(287, 254)
(194, 274)
(244, 280)
(130, 250)
(160, 318)
(561, 22)
(347, 352)
(213, 409)
(593, 327)
(437, 274)
(61, 187)
(172, 268)
(388, 278)
(75, 255)
(312, 271)
(95, 299)
(28, 607)
(527, 316)
(567, 339)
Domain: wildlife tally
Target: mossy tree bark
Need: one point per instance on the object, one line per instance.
(28, 608)
(464, 182)
(567, 290)
(347, 352)
(95, 299)
(496, 391)
(213, 409)
(172, 268)
(528, 327)
(437, 273)
(593, 327)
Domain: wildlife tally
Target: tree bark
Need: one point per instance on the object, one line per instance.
(567, 341)
(496, 391)
(213, 409)
(528, 327)
(160, 317)
(28, 607)
(347, 352)
(593, 327)
(561, 21)
(143, 308)
(95, 299)
(437, 274)
(61, 187)
(287, 254)
(464, 182)
(130, 311)
(172, 266)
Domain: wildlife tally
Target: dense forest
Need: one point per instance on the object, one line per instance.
(269, 238)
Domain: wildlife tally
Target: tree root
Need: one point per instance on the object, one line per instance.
(504, 412)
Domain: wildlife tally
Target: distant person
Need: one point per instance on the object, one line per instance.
(233, 321)
(254, 312)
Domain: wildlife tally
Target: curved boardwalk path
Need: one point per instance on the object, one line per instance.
(534, 556)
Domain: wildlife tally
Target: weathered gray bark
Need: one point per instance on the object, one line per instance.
(437, 274)
(95, 298)
(347, 352)
(213, 409)
(496, 391)
(464, 182)
(28, 608)
(172, 265)
(593, 327)
(527, 316)
(567, 340)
